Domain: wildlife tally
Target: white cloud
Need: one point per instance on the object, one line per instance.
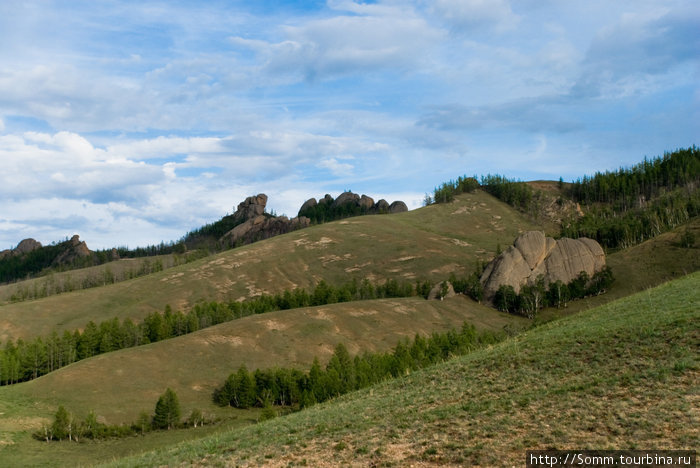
(476, 14)
(336, 167)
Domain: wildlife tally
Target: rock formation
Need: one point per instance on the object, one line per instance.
(533, 254)
(25, 246)
(351, 203)
(398, 207)
(436, 292)
(251, 207)
(255, 224)
(75, 249)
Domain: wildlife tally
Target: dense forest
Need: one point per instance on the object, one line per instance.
(631, 205)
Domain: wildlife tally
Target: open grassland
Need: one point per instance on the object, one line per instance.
(119, 385)
(621, 376)
(428, 243)
(62, 282)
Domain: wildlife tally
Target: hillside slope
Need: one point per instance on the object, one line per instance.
(624, 375)
(117, 386)
(428, 243)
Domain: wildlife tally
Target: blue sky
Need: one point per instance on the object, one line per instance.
(132, 122)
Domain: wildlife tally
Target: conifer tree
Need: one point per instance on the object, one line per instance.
(167, 412)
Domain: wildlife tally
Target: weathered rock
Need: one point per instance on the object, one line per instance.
(366, 202)
(436, 292)
(398, 207)
(26, 246)
(75, 249)
(347, 197)
(532, 254)
(251, 207)
(382, 206)
(327, 199)
(310, 203)
(256, 225)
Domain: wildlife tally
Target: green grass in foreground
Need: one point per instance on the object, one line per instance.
(621, 376)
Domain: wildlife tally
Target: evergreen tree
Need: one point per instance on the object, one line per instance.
(61, 427)
(167, 412)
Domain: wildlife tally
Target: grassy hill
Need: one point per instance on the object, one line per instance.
(119, 385)
(428, 243)
(624, 375)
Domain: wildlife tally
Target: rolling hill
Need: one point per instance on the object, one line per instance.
(428, 243)
(623, 375)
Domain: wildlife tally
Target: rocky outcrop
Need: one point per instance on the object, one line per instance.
(438, 293)
(251, 207)
(25, 246)
(75, 249)
(254, 224)
(398, 207)
(382, 206)
(533, 254)
(346, 198)
(310, 203)
(348, 204)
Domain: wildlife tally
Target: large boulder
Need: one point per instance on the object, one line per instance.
(533, 254)
(310, 203)
(347, 198)
(382, 206)
(398, 207)
(437, 292)
(26, 246)
(366, 202)
(251, 207)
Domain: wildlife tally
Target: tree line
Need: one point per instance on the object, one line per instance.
(630, 205)
(342, 374)
(632, 187)
(513, 192)
(536, 296)
(624, 229)
(166, 416)
(26, 360)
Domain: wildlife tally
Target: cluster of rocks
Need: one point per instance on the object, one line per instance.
(74, 249)
(365, 203)
(533, 254)
(254, 224)
(25, 246)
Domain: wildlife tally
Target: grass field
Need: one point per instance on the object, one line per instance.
(119, 385)
(83, 278)
(621, 376)
(428, 243)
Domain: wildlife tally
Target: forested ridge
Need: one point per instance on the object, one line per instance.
(622, 208)
(630, 205)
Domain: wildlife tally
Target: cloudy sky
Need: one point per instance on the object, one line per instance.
(132, 122)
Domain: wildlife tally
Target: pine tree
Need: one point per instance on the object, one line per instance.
(61, 427)
(167, 412)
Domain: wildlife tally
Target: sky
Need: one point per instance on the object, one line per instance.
(133, 122)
